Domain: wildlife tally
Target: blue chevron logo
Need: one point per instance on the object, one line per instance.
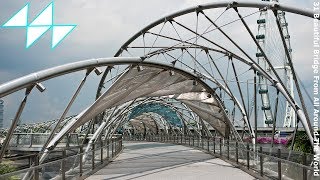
(40, 25)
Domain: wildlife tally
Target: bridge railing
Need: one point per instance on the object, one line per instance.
(65, 163)
(262, 162)
(38, 139)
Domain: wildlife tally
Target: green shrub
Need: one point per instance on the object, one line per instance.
(6, 167)
(302, 143)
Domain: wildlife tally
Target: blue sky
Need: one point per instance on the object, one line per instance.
(102, 27)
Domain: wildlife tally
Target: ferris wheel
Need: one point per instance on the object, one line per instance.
(268, 40)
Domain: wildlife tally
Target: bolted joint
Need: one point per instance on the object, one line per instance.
(206, 50)
(275, 7)
(29, 89)
(199, 10)
(142, 33)
(143, 58)
(170, 20)
(233, 5)
(124, 49)
(275, 12)
(264, 8)
(274, 83)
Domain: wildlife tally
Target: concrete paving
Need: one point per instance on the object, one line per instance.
(152, 160)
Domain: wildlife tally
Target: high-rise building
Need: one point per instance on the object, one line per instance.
(1, 113)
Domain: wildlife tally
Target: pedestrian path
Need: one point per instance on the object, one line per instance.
(153, 160)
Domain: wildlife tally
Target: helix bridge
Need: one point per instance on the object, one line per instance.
(220, 76)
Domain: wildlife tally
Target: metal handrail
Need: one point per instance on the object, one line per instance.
(116, 145)
(223, 144)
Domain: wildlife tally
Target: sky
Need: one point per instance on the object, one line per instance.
(102, 27)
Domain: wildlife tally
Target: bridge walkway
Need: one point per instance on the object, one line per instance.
(153, 160)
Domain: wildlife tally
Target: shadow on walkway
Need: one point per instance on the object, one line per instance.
(151, 160)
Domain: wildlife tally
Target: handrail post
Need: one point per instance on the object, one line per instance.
(112, 147)
(237, 152)
(261, 161)
(36, 170)
(63, 165)
(30, 161)
(93, 154)
(228, 149)
(18, 139)
(214, 145)
(248, 156)
(31, 140)
(101, 151)
(279, 164)
(220, 144)
(116, 146)
(80, 161)
(192, 140)
(202, 144)
(121, 144)
(108, 149)
(304, 162)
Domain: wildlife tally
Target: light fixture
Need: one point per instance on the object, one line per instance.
(40, 87)
(140, 68)
(195, 83)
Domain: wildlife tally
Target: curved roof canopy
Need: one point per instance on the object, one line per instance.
(155, 82)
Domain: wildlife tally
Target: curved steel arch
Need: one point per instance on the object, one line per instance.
(234, 4)
(40, 76)
(32, 79)
(228, 4)
(169, 105)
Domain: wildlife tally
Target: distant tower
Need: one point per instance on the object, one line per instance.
(1, 113)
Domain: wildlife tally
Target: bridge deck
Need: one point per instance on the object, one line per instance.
(151, 160)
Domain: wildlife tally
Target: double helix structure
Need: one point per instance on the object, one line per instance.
(223, 69)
